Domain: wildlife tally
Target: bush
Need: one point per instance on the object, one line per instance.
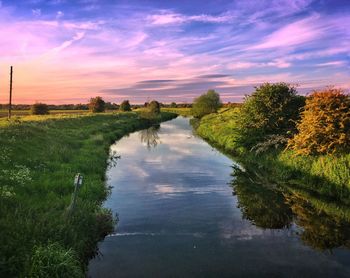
(39, 109)
(154, 107)
(272, 109)
(325, 124)
(54, 261)
(206, 104)
(97, 105)
(125, 106)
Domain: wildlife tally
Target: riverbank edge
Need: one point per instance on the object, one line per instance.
(44, 221)
(316, 178)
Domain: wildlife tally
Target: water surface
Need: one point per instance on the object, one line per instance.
(179, 217)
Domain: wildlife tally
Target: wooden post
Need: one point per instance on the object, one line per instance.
(78, 182)
(10, 99)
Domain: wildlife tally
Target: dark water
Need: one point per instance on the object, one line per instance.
(179, 217)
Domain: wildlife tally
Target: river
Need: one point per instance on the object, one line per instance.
(179, 216)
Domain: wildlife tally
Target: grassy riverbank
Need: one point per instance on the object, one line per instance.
(38, 161)
(327, 176)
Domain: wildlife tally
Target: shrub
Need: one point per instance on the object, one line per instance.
(154, 107)
(272, 109)
(125, 106)
(39, 109)
(54, 261)
(325, 124)
(97, 105)
(206, 104)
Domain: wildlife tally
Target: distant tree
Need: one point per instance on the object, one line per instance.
(125, 106)
(97, 105)
(206, 104)
(270, 111)
(39, 109)
(154, 107)
(146, 104)
(325, 124)
(173, 105)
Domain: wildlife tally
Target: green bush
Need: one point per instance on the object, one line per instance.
(272, 109)
(97, 105)
(39, 109)
(125, 106)
(53, 261)
(206, 104)
(154, 107)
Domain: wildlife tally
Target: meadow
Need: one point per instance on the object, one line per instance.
(39, 158)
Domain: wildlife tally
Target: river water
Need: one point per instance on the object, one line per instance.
(180, 217)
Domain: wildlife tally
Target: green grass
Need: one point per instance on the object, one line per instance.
(39, 158)
(326, 175)
(186, 112)
(17, 113)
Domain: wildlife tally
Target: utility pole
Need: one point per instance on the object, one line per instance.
(10, 100)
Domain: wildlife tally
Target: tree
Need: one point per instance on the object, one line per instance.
(97, 105)
(206, 104)
(154, 107)
(125, 106)
(272, 110)
(173, 105)
(39, 109)
(325, 124)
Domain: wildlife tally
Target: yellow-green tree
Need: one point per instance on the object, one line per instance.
(325, 124)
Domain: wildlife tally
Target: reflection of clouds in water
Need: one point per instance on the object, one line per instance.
(136, 170)
(246, 231)
(169, 190)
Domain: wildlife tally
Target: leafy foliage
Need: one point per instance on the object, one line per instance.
(97, 105)
(206, 104)
(125, 106)
(39, 109)
(325, 124)
(271, 109)
(154, 107)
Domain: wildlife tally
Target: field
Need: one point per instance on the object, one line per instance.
(186, 112)
(4, 113)
(39, 158)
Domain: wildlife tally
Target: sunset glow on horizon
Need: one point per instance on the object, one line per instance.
(65, 52)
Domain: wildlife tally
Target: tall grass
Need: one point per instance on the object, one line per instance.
(39, 157)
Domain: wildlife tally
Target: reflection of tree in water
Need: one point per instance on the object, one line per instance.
(267, 207)
(150, 136)
(263, 206)
(320, 230)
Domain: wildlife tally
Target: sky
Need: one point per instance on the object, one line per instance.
(67, 51)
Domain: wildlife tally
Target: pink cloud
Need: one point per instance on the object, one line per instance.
(332, 64)
(296, 33)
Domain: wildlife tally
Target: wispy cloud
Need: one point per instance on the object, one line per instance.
(295, 33)
(36, 12)
(167, 18)
(332, 64)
